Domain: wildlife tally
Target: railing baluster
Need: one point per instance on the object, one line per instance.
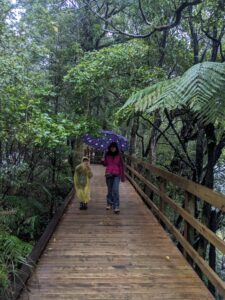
(162, 203)
(162, 188)
(192, 225)
(132, 166)
(189, 205)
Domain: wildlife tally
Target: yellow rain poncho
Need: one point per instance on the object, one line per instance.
(82, 183)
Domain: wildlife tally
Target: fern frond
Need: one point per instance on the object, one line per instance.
(201, 88)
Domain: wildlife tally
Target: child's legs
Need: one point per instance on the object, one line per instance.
(87, 194)
(84, 195)
(115, 192)
(109, 182)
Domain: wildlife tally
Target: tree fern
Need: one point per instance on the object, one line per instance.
(201, 88)
(141, 100)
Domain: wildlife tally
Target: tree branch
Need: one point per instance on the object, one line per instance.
(215, 40)
(177, 20)
(169, 142)
(178, 137)
(220, 148)
(142, 13)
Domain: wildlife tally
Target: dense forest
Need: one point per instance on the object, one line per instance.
(70, 67)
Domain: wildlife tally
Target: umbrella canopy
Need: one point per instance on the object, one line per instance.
(105, 139)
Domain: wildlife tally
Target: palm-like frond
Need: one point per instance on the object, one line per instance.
(201, 88)
(142, 100)
(147, 96)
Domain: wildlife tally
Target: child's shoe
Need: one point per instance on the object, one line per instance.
(81, 205)
(85, 206)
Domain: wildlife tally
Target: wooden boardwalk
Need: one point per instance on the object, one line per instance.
(96, 254)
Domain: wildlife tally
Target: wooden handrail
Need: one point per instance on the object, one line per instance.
(213, 277)
(198, 190)
(194, 189)
(26, 270)
(202, 229)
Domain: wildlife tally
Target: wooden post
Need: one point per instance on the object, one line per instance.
(189, 206)
(132, 166)
(162, 187)
(162, 204)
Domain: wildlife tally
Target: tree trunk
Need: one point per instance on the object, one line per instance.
(209, 216)
(153, 141)
(162, 47)
(199, 156)
(194, 38)
(215, 44)
(71, 142)
(133, 136)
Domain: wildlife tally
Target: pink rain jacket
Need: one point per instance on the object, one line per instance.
(114, 165)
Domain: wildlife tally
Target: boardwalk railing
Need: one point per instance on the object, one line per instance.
(95, 156)
(26, 270)
(155, 186)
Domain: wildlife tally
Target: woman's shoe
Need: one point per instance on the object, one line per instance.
(108, 207)
(117, 210)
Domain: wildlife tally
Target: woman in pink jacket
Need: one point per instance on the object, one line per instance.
(114, 173)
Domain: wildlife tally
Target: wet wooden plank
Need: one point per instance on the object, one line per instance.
(98, 255)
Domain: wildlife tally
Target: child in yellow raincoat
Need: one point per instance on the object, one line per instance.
(82, 177)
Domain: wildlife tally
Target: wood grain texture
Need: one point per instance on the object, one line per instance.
(27, 268)
(98, 255)
(201, 228)
(212, 197)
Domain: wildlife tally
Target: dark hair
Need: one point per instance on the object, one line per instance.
(85, 159)
(109, 152)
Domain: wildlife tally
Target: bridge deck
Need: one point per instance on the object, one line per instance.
(96, 254)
